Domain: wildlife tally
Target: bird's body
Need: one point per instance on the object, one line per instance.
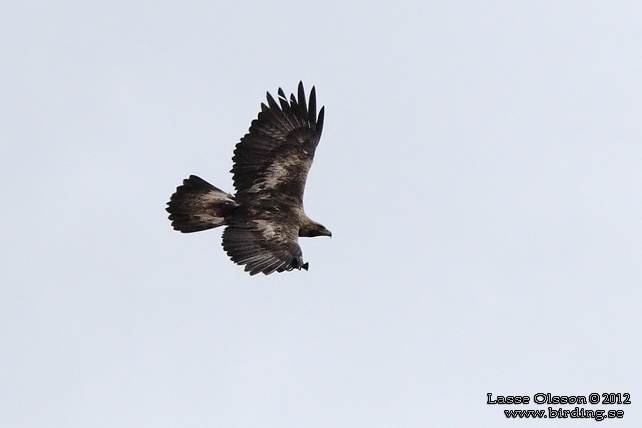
(265, 217)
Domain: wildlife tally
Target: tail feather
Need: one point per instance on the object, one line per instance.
(197, 205)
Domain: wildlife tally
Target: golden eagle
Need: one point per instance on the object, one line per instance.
(271, 163)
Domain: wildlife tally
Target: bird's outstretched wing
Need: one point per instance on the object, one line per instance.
(273, 159)
(263, 246)
(271, 164)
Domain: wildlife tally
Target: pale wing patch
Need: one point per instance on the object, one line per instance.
(267, 229)
(280, 171)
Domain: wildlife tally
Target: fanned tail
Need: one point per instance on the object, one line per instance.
(197, 205)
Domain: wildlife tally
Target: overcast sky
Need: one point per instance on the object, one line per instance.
(479, 169)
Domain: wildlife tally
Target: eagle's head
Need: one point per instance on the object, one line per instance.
(311, 228)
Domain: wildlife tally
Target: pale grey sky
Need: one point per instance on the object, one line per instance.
(480, 170)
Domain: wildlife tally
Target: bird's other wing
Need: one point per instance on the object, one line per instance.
(273, 159)
(264, 242)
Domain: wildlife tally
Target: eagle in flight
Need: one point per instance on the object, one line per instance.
(265, 217)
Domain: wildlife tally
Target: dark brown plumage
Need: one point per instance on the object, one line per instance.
(271, 163)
